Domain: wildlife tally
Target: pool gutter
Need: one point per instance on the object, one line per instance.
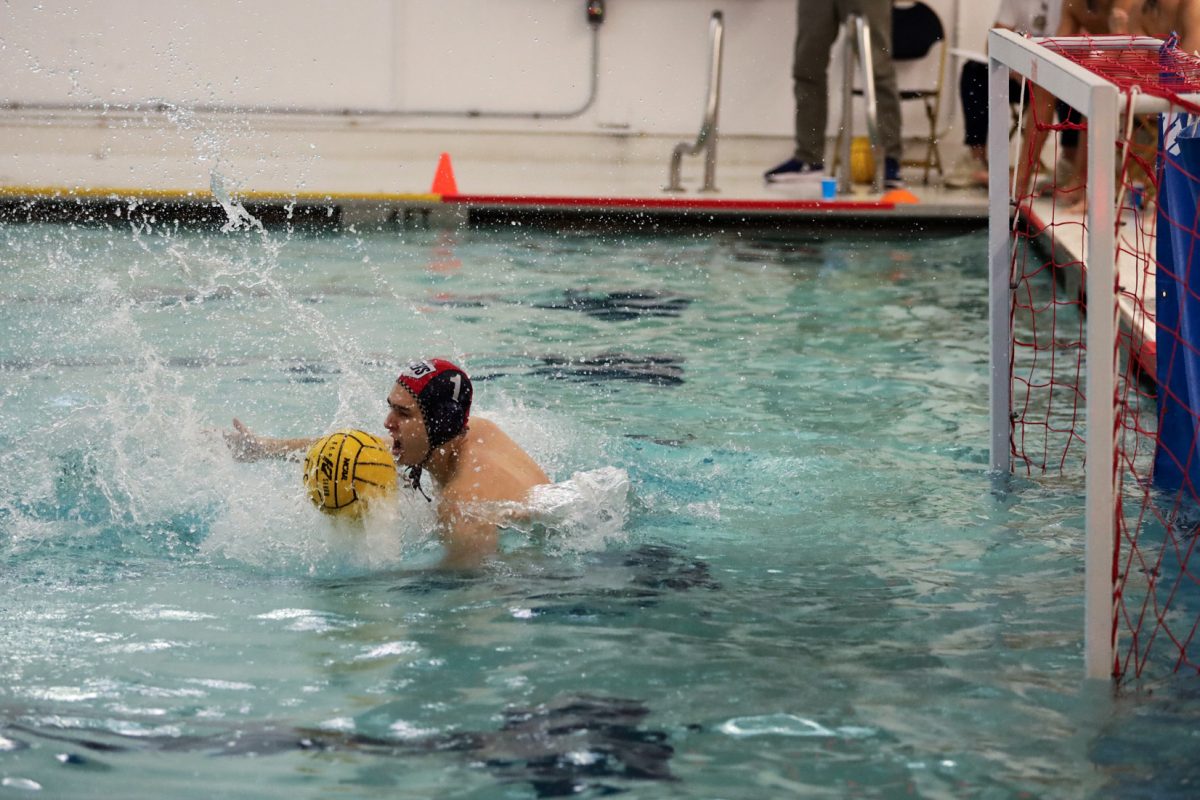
(330, 209)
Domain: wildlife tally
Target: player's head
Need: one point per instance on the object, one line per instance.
(443, 392)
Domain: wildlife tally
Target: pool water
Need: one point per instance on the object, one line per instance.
(797, 579)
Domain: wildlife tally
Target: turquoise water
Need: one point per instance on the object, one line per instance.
(813, 587)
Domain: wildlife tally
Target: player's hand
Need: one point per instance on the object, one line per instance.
(242, 442)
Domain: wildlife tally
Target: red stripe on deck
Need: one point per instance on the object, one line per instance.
(669, 203)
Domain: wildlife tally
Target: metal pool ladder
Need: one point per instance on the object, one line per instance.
(858, 43)
(707, 140)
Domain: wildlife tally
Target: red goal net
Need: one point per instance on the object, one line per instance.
(1148, 214)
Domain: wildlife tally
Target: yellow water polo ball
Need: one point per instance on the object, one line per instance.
(347, 470)
(862, 160)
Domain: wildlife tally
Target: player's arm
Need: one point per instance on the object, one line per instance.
(468, 538)
(1069, 23)
(1189, 25)
(1118, 18)
(247, 445)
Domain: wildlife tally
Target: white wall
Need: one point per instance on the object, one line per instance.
(506, 55)
(489, 55)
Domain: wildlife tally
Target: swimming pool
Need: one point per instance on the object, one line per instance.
(813, 587)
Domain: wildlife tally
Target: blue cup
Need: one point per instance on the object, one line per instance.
(828, 188)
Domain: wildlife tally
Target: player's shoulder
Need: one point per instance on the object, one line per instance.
(486, 441)
(482, 427)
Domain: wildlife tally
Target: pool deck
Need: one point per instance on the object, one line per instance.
(360, 177)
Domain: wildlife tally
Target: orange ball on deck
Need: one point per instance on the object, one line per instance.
(862, 160)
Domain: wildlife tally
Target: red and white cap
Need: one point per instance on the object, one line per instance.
(444, 392)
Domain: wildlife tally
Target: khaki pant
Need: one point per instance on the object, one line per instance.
(817, 25)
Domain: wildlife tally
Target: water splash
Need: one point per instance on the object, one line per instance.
(586, 512)
(238, 217)
(210, 143)
(103, 414)
(275, 527)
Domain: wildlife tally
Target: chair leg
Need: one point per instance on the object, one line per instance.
(933, 157)
(933, 160)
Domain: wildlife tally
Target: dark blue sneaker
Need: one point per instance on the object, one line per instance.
(891, 175)
(793, 171)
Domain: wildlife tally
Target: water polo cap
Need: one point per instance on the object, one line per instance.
(443, 392)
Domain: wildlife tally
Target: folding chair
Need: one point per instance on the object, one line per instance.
(916, 31)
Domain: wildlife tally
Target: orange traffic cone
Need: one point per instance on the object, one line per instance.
(443, 179)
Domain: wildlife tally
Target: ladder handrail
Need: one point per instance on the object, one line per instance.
(707, 139)
(858, 41)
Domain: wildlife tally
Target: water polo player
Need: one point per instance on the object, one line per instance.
(472, 460)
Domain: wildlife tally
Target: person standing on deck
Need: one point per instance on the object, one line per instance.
(817, 28)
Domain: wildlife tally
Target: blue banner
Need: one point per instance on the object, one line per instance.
(1177, 312)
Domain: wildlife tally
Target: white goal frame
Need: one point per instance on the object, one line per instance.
(1102, 103)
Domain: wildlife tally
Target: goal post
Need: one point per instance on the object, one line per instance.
(1072, 326)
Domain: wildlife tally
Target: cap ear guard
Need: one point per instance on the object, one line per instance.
(444, 421)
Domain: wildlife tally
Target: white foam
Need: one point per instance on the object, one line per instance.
(397, 648)
(406, 730)
(287, 613)
(213, 683)
(167, 613)
(583, 513)
(789, 725)
(144, 647)
(345, 724)
(63, 694)
(23, 784)
(276, 527)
